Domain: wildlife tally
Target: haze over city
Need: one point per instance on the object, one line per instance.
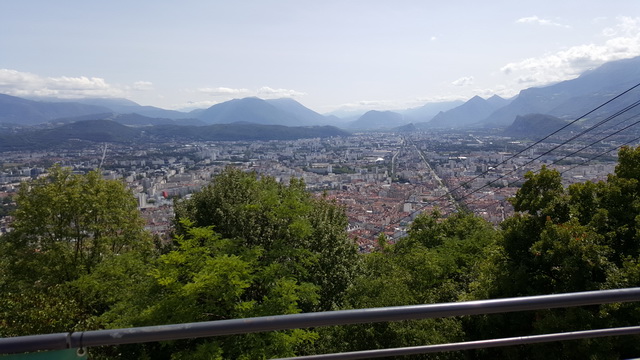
(327, 55)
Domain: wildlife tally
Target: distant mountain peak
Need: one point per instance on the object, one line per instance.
(467, 114)
(571, 98)
(376, 119)
(283, 111)
(22, 111)
(381, 112)
(283, 100)
(533, 126)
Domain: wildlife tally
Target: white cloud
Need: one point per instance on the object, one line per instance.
(19, 83)
(623, 42)
(538, 21)
(500, 90)
(76, 83)
(463, 81)
(626, 27)
(12, 78)
(263, 92)
(372, 103)
(268, 92)
(223, 91)
(143, 86)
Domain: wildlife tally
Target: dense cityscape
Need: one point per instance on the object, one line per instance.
(383, 180)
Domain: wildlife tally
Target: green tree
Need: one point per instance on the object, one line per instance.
(584, 237)
(437, 262)
(302, 236)
(204, 278)
(6, 206)
(65, 226)
(542, 195)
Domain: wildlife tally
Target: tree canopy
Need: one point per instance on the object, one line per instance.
(582, 237)
(248, 246)
(66, 225)
(302, 236)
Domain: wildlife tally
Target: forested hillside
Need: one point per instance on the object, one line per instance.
(248, 246)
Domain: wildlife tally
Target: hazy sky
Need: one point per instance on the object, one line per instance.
(325, 54)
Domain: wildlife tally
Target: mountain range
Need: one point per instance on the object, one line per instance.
(15, 110)
(469, 113)
(374, 120)
(572, 98)
(287, 112)
(130, 119)
(70, 134)
(565, 100)
(534, 126)
(122, 106)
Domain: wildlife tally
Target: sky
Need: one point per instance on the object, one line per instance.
(328, 55)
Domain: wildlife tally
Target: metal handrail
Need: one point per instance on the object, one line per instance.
(82, 339)
(470, 345)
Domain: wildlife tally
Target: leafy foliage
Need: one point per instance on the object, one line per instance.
(204, 278)
(302, 237)
(249, 246)
(584, 237)
(437, 262)
(65, 227)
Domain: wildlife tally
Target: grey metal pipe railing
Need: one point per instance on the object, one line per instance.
(294, 321)
(470, 345)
